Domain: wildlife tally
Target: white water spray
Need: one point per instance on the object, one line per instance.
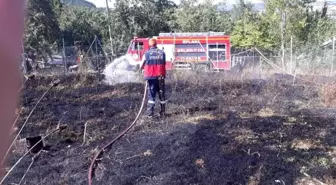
(120, 71)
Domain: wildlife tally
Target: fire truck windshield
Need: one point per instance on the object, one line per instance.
(137, 45)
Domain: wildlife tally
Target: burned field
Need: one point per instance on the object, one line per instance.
(218, 131)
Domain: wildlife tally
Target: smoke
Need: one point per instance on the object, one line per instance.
(120, 71)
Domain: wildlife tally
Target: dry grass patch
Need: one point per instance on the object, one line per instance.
(20, 147)
(306, 144)
(196, 119)
(332, 152)
(266, 112)
(308, 181)
(290, 121)
(244, 135)
(111, 94)
(256, 178)
(328, 95)
(245, 115)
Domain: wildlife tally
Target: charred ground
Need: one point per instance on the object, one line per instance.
(219, 130)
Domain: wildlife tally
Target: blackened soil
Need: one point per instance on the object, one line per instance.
(261, 131)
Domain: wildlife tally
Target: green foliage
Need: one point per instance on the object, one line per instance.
(193, 17)
(81, 24)
(307, 27)
(42, 30)
(50, 21)
(144, 18)
(251, 29)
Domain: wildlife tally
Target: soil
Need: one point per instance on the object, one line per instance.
(219, 129)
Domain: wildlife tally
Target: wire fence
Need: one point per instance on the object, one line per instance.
(93, 58)
(319, 61)
(68, 59)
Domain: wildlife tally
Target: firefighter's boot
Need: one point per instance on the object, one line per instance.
(150, 111)
(163, 110)
(150, 114)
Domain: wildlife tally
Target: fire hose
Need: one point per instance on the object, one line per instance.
(118, 137)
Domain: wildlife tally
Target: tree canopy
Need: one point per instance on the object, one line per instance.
(48, 22)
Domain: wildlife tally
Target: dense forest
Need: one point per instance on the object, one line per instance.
(49, 22)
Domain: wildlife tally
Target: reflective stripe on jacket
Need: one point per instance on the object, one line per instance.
(155, 63)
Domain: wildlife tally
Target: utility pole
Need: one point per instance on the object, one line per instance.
(110, 30)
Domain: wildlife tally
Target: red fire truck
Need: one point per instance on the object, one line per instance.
(210, 50)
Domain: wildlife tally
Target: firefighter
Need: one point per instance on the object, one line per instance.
(154, 67)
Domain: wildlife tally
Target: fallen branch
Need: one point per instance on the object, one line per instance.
(307, 175)
(85, 132)
(59, 122)
(139, 155)
(248, 152)
(24, 155)
(275, 97)
(54, 84)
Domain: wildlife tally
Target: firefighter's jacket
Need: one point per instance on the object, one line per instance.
(154, 64)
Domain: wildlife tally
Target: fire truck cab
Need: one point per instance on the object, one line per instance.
(187, 50)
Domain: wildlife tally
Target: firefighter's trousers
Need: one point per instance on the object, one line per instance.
(156, 86)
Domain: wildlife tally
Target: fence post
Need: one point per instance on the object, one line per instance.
(64, 57)
(282, 30)
(260, 63)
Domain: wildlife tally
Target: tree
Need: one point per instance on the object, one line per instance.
(50, 21)
(82, 24)
(42, 31)
(250, 29)
(194, 17)
(143, 18)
